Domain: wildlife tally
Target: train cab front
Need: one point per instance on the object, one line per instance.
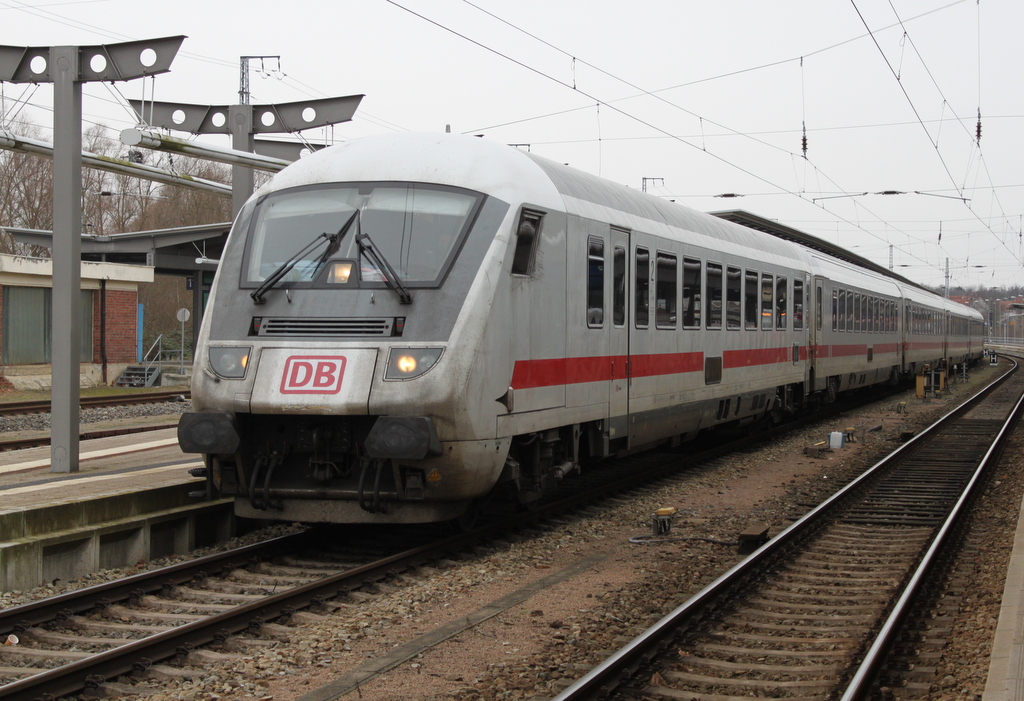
(325, 373)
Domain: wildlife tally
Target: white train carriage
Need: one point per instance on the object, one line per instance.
(924, 330)
(859, 335)
(402, 326)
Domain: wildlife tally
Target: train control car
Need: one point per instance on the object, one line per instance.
(403, 327)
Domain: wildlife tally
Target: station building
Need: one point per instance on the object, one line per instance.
(109, 328)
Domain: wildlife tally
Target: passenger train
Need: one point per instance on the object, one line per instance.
(403, 326)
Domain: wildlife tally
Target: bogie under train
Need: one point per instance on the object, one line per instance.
(404, 325)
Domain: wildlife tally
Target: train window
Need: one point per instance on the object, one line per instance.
(526, 242)
(733, 298)
(643, 287)
(417, 228)
(750, 301)
(835, 310)
(691, 293)
(842, 310)
(767, 307)
(817, 309)
(875, 321)
(595, 282)
(714, 278)
(781, 302)
(856, 311)
(619, 286)
(665, 292)
(849, 310)
(798, 304)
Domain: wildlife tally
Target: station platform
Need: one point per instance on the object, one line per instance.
(1006, 668)
(132, 501)
(107, 466)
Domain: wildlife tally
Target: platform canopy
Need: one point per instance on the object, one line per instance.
(183, 250)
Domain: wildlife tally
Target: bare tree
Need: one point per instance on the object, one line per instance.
(26, 184)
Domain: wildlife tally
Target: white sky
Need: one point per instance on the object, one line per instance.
(708, 96)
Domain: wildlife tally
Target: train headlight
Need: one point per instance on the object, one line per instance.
(230, 362)
(407, 363)
(339, 272)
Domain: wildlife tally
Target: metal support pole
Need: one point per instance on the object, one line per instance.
(242, 181)
(66, 336)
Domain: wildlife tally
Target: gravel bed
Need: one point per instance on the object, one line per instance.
(534, 650)
(127, 413)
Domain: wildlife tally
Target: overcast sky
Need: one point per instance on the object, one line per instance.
(701, 98)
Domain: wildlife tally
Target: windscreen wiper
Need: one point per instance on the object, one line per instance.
(391, 278)
(334, 241)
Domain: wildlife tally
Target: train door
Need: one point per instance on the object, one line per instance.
(618, 349)
(816, 321)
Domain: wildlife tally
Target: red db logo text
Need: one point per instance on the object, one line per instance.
(312, 374)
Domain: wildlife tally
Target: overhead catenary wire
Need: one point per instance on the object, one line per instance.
(575, 88)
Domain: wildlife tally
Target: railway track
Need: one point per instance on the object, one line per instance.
(43, 406)
(814, 613)
(234, 601)
(39, 441)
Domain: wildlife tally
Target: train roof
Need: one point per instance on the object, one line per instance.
(591, 196)
(770, 226)
(518, 176)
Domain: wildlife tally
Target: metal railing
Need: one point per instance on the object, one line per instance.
(1005, 341)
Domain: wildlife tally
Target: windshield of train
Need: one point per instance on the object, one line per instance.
(417, 228)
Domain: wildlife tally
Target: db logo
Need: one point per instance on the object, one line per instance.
(312, 374)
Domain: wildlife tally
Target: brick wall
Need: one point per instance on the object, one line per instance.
(122, 322)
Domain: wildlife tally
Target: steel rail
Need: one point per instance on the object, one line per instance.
(603, 678)
(73, 677)
(24, 616)
(863, 679)
(43, 406)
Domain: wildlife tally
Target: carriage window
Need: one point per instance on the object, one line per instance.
(818, 313)
(714, 295)
(767, 308)
(691, 293)
(849, 310)
(876, 325)
(643, 287)
(798, 304)
(750, 300)
(526, 242)
(856, 311)
(781, 301)
(835, 310)
(842, 310)
(733, 298)
(619, 286)
(665, 292)
(595, 282)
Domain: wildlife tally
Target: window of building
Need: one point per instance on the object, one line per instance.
(27, 319)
